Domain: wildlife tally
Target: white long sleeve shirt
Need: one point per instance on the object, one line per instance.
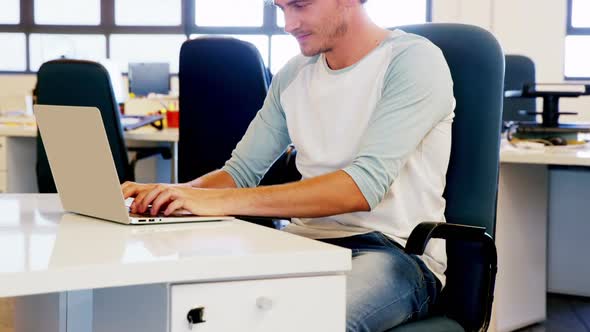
(386, 121)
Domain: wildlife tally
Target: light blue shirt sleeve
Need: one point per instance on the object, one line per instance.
(417, 95)
(265, 140)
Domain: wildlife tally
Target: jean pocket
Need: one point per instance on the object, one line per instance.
(401, 251)
(387, 241)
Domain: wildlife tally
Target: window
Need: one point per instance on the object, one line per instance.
(577, 42)
(10, 13)
(14, 56)
(581, 14)
(577, 57)
(146, 48)
(45, 47)
(284, 48)
(153, 30)
(67, 12)
(147, 12)
(229, 13)
(389, 13)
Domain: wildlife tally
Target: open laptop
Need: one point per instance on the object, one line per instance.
(83, 168)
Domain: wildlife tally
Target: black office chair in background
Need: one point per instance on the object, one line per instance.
(520, 70)
(223, 83)
(85, 83)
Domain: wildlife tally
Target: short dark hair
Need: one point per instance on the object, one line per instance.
(363, 1)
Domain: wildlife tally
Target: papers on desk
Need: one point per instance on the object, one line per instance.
(532, 145)
(17, 121)
(127, 121)
(130, 122)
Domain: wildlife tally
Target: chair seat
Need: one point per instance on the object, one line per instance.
(434, 324)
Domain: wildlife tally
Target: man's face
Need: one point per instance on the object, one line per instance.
(317, 24)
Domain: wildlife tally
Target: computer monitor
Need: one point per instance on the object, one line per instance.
(148, 77)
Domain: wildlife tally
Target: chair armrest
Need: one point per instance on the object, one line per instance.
(471, 273)
(441, 230)
(283, 170)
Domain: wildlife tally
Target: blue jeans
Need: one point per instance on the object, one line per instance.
(386, 287)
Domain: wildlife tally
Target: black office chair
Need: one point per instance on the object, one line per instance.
(85, 83)
(520, 70)
(477, 67)
(223, 83)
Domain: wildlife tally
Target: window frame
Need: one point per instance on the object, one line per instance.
(108, 27)
(574, 31)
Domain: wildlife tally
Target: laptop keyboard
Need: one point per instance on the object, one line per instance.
(146, 215)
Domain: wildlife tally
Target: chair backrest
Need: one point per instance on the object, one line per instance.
(283, 170)
(520, 70)
(223, 83)
(477, 67)
(80, 83)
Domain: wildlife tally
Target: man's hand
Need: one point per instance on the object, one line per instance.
(171, 199)
(146, 194)
(325, 195)
(154, 198)
(139, 191)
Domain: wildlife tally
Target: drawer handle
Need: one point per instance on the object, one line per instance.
(195, 316)
(264, 303)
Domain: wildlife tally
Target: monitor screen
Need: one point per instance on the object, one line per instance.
(148, 77)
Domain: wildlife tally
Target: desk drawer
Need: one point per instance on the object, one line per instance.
(287, 305)
(3, 153)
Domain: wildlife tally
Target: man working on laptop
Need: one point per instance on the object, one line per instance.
(370, 112)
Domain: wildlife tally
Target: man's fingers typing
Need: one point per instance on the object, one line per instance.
(164, 197)
(150, 197)
(139, 198)
(174, 206)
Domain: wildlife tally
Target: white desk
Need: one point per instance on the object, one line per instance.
(538, 221)
(140, 134)
(570, 156)
(246, 276)
(18, 154)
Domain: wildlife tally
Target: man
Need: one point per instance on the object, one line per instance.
(370, 112)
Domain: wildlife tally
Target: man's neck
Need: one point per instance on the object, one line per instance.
(360, 39)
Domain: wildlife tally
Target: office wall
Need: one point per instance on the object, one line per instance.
(14, 88)
(535, 28)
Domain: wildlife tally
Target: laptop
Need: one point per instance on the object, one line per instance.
(83, 168)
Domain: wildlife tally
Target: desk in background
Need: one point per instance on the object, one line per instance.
(18, 155)
(541, 231)
(246, 277)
